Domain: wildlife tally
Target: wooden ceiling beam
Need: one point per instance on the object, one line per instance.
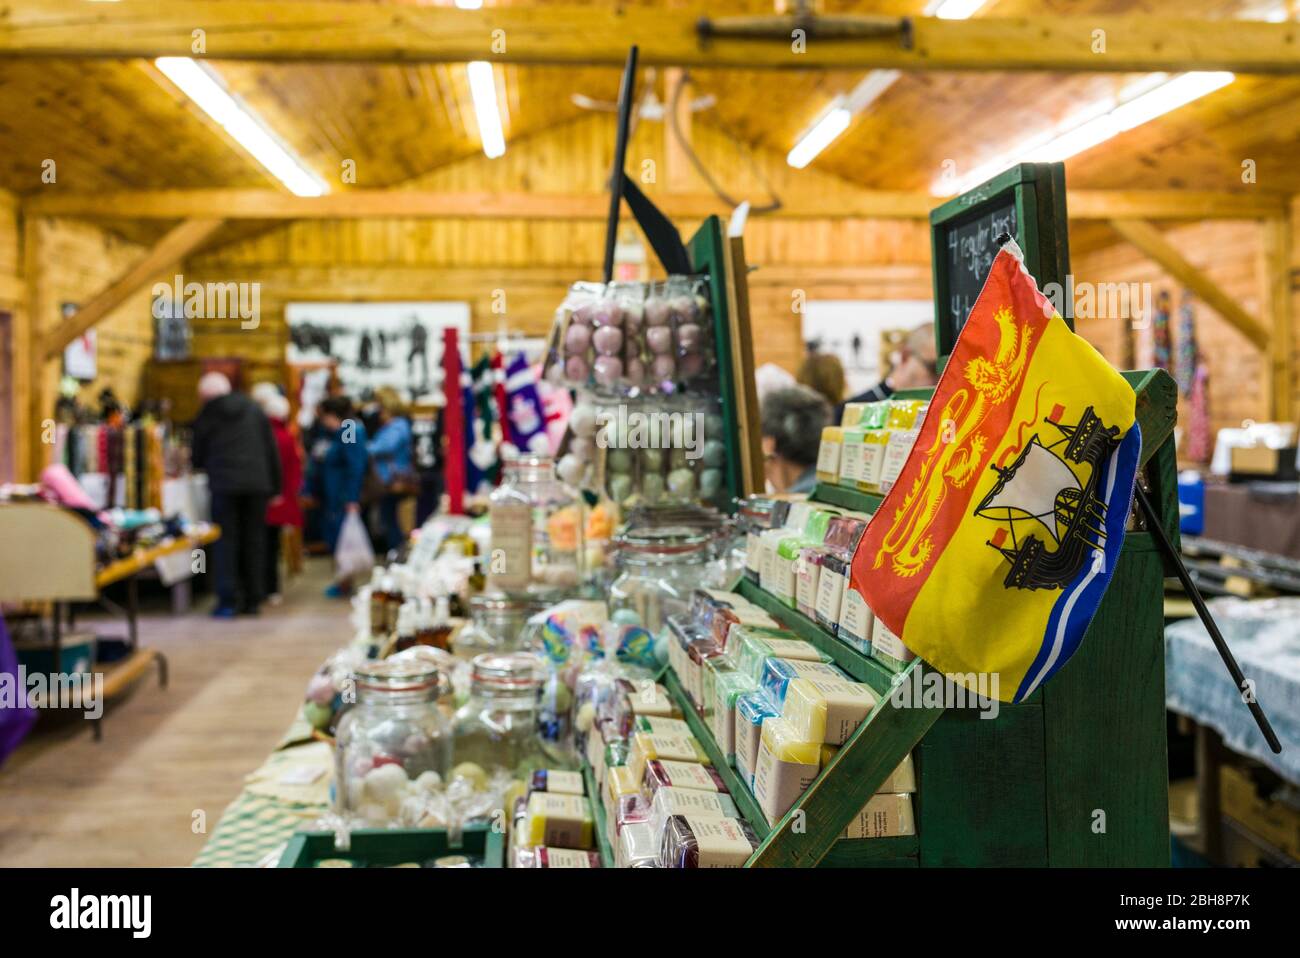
(165, 254)
(1151, 242)
(386, 32)
(398, 203)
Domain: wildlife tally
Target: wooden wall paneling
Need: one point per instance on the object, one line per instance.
(1275, 278)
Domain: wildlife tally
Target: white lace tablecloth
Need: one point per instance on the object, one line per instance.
(1264, 635)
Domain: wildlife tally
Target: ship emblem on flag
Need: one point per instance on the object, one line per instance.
(990, 554)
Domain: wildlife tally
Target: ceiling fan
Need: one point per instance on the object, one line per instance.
(649, 107)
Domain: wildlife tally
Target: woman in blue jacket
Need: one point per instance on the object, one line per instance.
(391, 452)
(336, 481)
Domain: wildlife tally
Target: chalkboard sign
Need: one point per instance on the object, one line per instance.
(971, 247)
(1028, 202)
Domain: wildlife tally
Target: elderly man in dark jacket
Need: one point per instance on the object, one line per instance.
(234, 444)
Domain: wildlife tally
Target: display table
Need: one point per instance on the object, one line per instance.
(1265, 637)
(1263, 516)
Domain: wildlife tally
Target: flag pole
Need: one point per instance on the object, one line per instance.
(1193, 593)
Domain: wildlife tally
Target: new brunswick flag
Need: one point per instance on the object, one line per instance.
(991, 552)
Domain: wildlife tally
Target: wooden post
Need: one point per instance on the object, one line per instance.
(1275, 268)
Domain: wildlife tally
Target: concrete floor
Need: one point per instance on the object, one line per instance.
(131, 799)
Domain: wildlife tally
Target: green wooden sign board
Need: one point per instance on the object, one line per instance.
(1027, 201)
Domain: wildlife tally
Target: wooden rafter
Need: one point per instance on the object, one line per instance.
(1153, 244)
(255, 204)
(327, 30)
(166, 253)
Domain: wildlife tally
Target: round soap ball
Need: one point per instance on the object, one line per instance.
(429, 781)
(606, 313)
(576, 369)
(609, 369)
(710, 482)
(663, 368)
(633, 317)
(652, 459)
(713, 425)
(634, 371)
(577, 338)
(608, 340)
(583, 420)
(626, 617)
(472, 774)
(384, 785)
(618, 461)
(689, 337)
(317, 716)
(681, 482)
(691, 364)
(659, 339)
(320, 690)
(652, 487)
(714, 452)
(656, 311)
(620, 487)
(571, 469)
(583, 447)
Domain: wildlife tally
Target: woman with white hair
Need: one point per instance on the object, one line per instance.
(233, 444)
(283, 509)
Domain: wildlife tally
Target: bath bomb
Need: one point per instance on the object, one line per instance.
(577, 338)
(652, 487)
(472, 774)
(609, 369)
(576, 369)
(689, 336)
(714, 453)
(663, 368)
(620, 487)
(710, 482)
(681, 482)
(384, 785)
(618, 460)
(659, 339)
(652, 459)
(634, 371)
(429, 781)
(317, 716)
(608, 340)
(656, 311)
(606, 313)
(571, 469)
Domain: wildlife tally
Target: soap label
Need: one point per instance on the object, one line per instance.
(747, 738)
(512, 545)
(887, 643)
(855, 619)
(720, 841)
(851, 462)
(566, 858)
(688, 775)
(689, 801)
(828, 457)
(807, 576)
(567, 783)
(830, 593)
(778, 784)
(873, 458)
(900, 445)
(796, 649)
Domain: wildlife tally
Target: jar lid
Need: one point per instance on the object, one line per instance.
(527, 460)
(397, 675)
(665, 541)
(506, 672)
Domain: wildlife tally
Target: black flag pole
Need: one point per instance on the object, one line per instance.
(626, 95)
(1193, 593)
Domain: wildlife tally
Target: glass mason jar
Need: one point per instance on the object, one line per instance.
(395, 722)
(498, 727)
(537, 531)
(496, 624)
(658, 568)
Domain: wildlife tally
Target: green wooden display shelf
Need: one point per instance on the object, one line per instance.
(898, 852)
(385, 847)
(598, 818)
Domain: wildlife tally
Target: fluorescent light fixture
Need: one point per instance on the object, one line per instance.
(842, 110)
(483, 89)
(203, 85)
(1141, 103)
(954, 9)
(469, 4)
(832, 123)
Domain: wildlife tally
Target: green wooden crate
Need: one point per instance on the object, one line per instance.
(385, 847)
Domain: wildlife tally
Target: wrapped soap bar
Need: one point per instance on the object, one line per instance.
(807, 574)
(828, 454)
(888, 649)
(752, 709)
(715, 667)
(903, 424)
(785, 767)
(755, 646)
(853, 413)
(700, 653)
(851, 455)
(669, 774)
(637, 846)
(692, 842)
(674, 748)
(901, 779)
(747, 614)
(630, 809)
(884, 816)
(856, 620)
(827, 710)
(656, 725)
(647, 697)
(728, 687)
(842, 538)
(560, 820)
(690, 801)
(547, 857)
(779, 673)
(554, 780)
(619, 782)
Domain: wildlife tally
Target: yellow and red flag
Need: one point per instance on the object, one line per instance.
(990, 554)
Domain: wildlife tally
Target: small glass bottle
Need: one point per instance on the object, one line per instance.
(537, 531)
(498, 727)
(396, 722)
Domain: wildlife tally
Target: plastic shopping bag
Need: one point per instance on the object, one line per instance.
(352, 555)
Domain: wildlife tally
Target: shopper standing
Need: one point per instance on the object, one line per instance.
(792, 423)
(338, 479)
(284, 508)
(390, 451)
(234, 445)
